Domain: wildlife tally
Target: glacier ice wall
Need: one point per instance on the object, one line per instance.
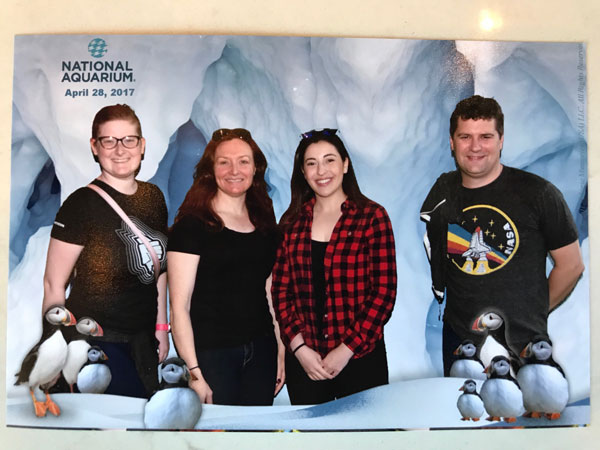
(391, 100)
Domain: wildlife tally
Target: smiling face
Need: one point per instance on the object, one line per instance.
(476, 146)
(118, 162)
(324, 169)
(234, 167)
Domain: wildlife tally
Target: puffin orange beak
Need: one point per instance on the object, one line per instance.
(526, 351)
(486, 369)
(476, 325)
(70, 320)
(462, 388)
(455, 352)
(99, 331)
(104, 357)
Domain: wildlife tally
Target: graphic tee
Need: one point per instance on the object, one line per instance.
(497, 245)
(229, 304)
(113, 279)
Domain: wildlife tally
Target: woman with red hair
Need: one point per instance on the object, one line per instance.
(221, 251)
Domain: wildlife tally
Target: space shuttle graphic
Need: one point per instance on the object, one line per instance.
(477, 250)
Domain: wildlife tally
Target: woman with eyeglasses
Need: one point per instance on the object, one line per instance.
(334, 279)
(221, 252)
(110, 271)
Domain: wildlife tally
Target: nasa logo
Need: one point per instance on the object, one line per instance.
(484, 241)
(97, 47)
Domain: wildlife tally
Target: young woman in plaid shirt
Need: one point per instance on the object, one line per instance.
(334, 279)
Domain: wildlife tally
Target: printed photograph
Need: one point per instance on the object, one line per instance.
(295, 233)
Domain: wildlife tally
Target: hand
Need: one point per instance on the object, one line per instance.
(162, 336)
(198, 384)
(280, 369)
(337, 359)
(312, 364)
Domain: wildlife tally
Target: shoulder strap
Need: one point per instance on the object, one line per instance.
(114, 205)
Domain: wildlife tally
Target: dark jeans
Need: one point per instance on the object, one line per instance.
(450, 342)
(125, 379)
(241, 375)
(363, 373)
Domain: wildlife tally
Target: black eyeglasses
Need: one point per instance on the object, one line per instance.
(323, 132)
(223, 133)
(110, 142)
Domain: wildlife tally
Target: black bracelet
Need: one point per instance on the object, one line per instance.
(192, 368)
(298, 348)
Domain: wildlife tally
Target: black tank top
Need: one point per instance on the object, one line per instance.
(318, 275)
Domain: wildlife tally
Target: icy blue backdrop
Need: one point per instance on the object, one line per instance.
(391, 100)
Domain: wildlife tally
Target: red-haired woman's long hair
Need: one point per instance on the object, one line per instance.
(198, 200)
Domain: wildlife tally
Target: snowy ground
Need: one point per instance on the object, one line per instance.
(417, 404)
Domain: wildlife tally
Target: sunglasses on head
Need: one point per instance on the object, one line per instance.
(323, 132)
(223, 133)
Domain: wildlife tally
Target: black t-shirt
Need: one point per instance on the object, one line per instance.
(113, 280)
(496, 253)
(229, 304)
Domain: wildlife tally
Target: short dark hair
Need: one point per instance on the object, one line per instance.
(300, 189)
(115, 112)
(477, 107)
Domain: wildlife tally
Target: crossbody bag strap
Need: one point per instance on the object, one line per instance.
(114, 205)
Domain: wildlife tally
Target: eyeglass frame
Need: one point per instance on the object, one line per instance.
(223, 133)
(322, 132)
(99, 139)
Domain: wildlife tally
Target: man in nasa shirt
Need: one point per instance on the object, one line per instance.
(489, 230)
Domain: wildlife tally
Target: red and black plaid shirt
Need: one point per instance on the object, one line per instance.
(360, 280)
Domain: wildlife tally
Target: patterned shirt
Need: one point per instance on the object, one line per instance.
(360, 280)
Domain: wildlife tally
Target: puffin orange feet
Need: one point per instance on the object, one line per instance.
(493, 419)
(553, 416)
(475, 419)
(51, 406)
(510, 419)
(38, 407)
(536, 415)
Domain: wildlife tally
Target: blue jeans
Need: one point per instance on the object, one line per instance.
(241, 375)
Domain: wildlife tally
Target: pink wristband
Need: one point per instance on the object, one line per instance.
(162, 327)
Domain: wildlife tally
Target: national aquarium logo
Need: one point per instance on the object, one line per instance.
(97, 47)
(97, 70)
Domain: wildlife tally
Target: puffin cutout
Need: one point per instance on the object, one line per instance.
(174, 406)
(94, 377)
(542, 380)
(42, 365)
(77, 354)
(502, 397)
(494, 343)
(469, 403)
(468, 365)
